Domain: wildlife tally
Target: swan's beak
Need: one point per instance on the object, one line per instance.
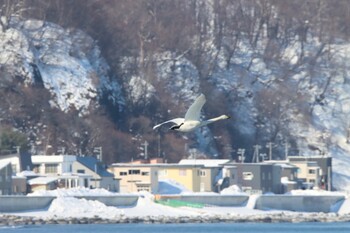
(227, 117)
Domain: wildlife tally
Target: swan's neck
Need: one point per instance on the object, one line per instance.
(222, 117)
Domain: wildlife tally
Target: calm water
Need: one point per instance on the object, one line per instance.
(186, 228)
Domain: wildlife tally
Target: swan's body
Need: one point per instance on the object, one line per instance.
(192, 118)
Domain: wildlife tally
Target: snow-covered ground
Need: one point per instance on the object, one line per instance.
(67, 205)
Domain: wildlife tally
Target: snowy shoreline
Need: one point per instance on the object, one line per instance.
(12, 220)
(69, 207)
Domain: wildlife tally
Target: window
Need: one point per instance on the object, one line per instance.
(248, 176)
(145, 173)
(202, 173)
(269, 175)
(14, 168)
(182, 172)
(134, 172)
(312, 171)
(51, 168)
(312, 181)
(163, 173)
(123, 173)
(263, 176)
(82, 171)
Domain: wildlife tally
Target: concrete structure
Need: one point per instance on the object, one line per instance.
(307, 203)
(136, 177)
(5, 178)
(29, 203)
(100, 177)
(324, 179)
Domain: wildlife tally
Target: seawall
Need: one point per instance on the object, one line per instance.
(300, 203)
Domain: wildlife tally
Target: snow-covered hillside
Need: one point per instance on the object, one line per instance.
(67, 62)
(283, 77)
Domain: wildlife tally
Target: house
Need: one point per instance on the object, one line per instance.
(136, 177)
(214, 176)
(289, 175)
(75, 171)
(5, 178)
(100, 177)
(190, 176)
(324, 181)
(309, 173)
(59, 167)
(43, 183)
(53, 164)
(19, 161)
(258, 177)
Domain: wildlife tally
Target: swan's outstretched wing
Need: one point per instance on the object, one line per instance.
(194, 112)
(177, 121)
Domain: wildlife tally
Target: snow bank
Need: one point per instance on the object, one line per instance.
(74, 207)
(167, 186)
(73, 192)
(233, 189)
(314, 192)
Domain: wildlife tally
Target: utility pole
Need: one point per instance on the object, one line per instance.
(98, 150)
(256, 153)
(241, 152)
(145, 144)
(286, 147)
(269, 146)
(158, 145)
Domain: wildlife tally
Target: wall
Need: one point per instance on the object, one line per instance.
(307, 203)
(28, 203)
(217, 200)
(188, 176)
(23, 203)
(147, 175)
(6, 178)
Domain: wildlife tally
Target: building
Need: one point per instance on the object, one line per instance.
(309, 173)
(53, 164)
(72, 171)
(289, 175)
(258, 177)
(19, 161)
(100, 177)
(192, 177)
(324, 181)
(136, 177)
(214, 176)
(5, 178)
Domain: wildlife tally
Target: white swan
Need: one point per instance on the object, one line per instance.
(192, 118)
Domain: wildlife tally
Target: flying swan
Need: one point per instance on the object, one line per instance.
(192, 118)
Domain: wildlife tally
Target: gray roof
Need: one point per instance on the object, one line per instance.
(95, 165)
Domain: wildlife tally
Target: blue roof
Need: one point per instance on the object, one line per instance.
(92, 163)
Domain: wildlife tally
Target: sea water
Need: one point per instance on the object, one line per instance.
(185, 228)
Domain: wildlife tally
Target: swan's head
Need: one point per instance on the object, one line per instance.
(224, 117)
